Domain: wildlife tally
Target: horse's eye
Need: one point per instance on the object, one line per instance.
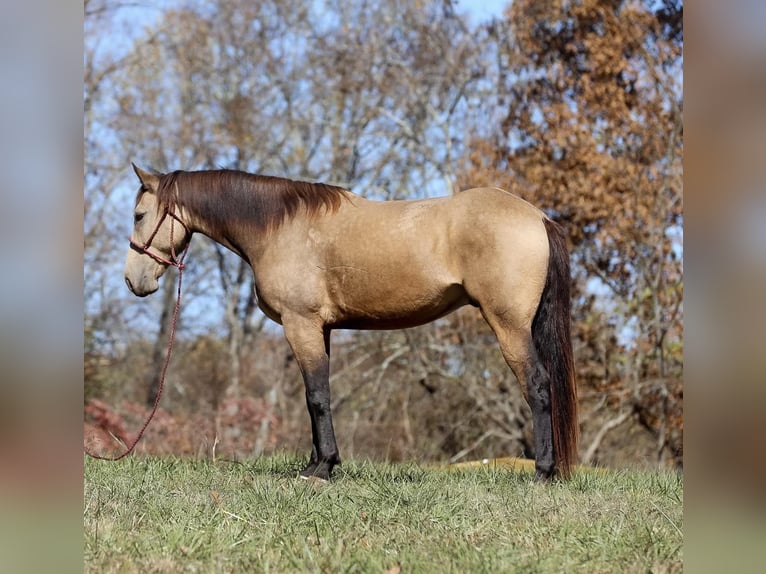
(138, 217)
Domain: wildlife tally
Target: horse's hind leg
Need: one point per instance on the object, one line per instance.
(520, 354)
(311, 345)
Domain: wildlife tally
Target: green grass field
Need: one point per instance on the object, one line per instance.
(172, 515)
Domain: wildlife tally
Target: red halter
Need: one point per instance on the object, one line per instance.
(174, 261)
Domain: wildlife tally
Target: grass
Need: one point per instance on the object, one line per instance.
(175, 515)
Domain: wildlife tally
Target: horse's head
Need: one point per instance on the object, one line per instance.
(159, 237)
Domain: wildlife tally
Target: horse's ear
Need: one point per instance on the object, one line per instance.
(150, 181)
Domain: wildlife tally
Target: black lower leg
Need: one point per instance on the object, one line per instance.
(539, 399)
(324, 453)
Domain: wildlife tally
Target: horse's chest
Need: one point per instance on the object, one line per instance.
(268, 306)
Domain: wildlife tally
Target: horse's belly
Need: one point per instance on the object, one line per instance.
(397, 308)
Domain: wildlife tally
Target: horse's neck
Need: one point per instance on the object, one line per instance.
(250, 241)
(234, 236)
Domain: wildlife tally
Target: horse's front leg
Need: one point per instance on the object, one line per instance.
(310, 343)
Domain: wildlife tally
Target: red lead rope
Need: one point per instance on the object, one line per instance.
(178, 264)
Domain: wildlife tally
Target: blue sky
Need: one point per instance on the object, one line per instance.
(481, 10)
(132, 19)
(478, 11)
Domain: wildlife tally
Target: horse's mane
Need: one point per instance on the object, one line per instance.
(222, 196)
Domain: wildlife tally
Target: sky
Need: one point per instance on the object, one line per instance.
(477, 10)
(481, 10)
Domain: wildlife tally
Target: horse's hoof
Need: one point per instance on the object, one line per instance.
(544, 477)
(319, 471)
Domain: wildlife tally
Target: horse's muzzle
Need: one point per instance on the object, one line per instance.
(137, 293)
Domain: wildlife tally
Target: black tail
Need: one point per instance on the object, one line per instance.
(553, 343)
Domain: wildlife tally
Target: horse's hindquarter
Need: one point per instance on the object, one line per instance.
(501, 245)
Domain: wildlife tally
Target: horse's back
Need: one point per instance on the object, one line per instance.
(442, 240)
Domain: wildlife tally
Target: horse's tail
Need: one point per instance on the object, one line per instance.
(551, 335)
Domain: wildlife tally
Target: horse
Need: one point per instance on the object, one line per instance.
(325, 258)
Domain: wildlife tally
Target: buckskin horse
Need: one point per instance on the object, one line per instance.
(325, 258)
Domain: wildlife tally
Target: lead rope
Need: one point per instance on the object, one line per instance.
(178, 264)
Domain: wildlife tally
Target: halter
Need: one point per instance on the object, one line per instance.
(174, 261)
(178, 263)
